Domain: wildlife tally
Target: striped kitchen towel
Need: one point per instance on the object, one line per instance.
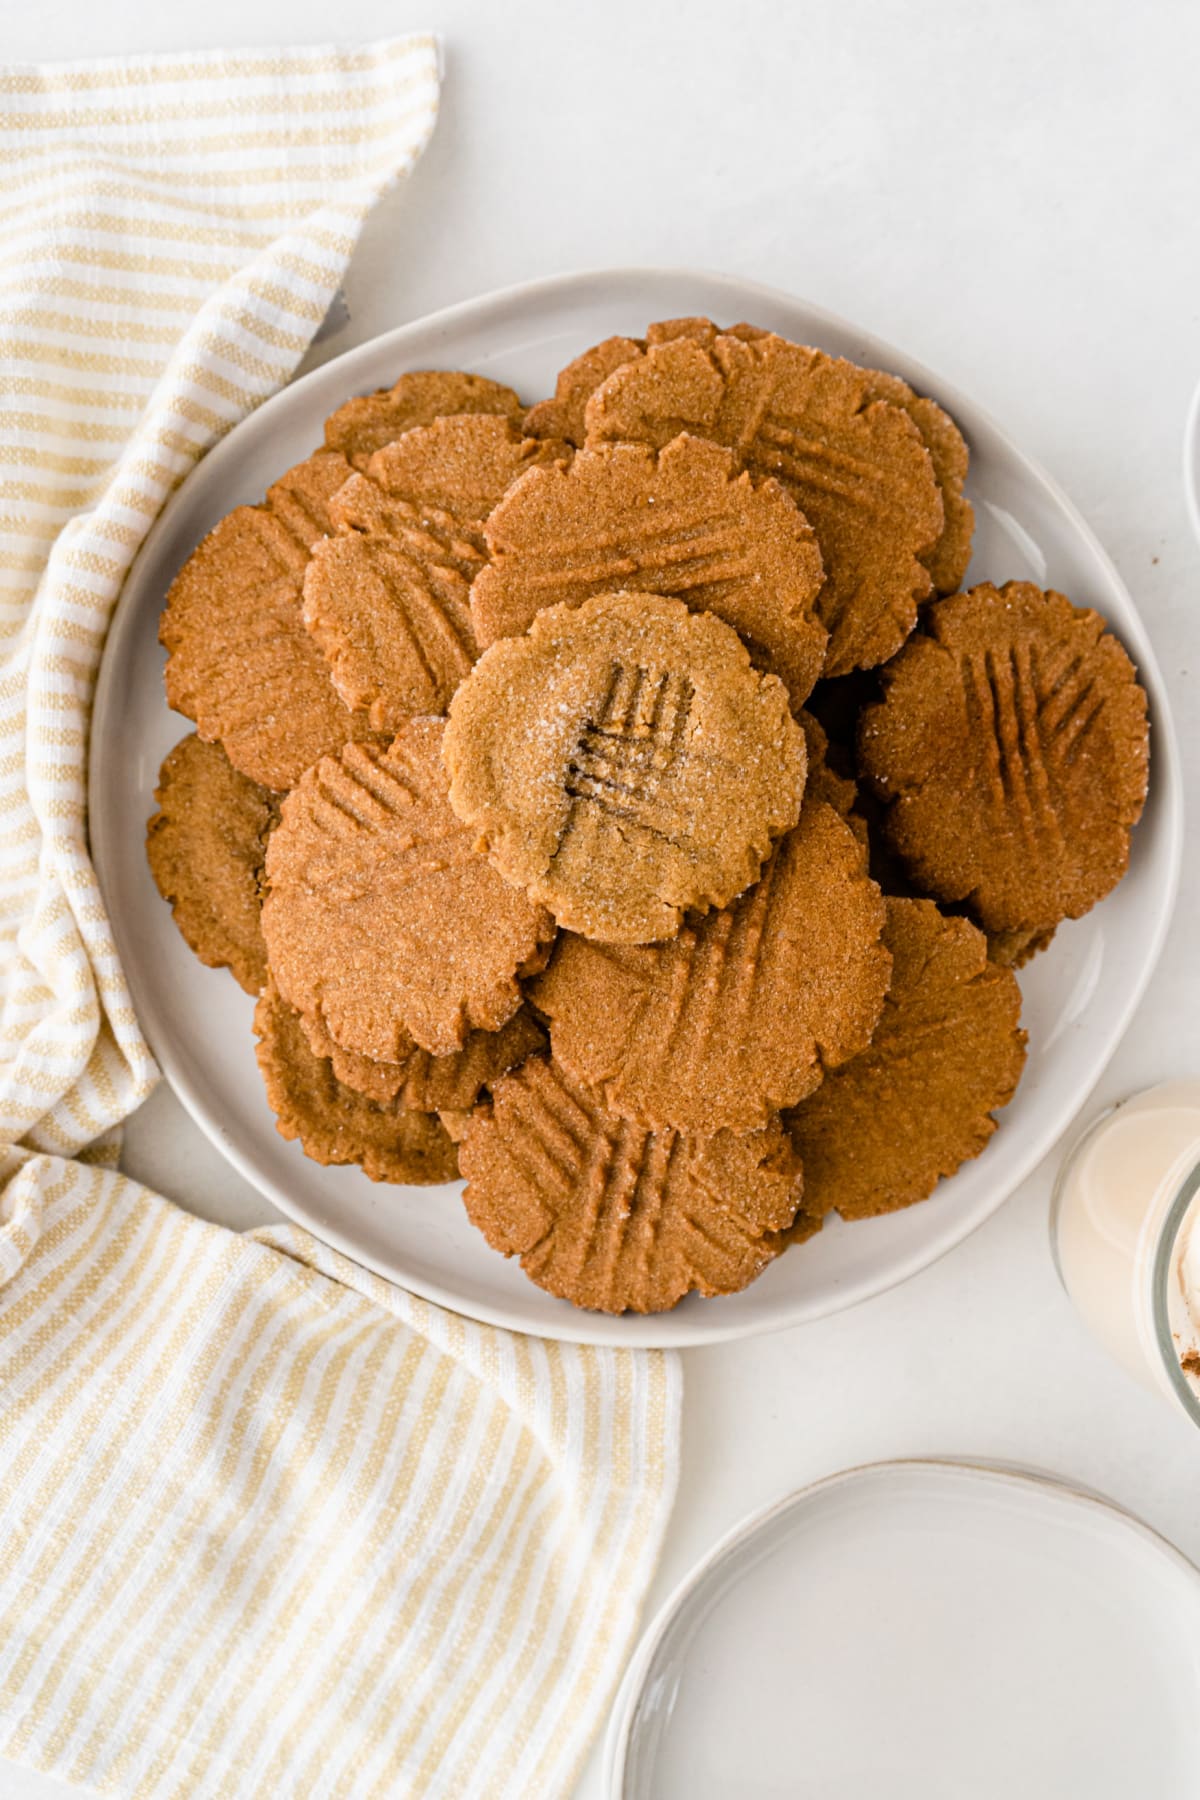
(271, 1526)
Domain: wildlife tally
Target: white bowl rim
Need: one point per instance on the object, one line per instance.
(1191, 461)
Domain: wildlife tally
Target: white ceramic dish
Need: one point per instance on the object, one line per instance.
(920, 1631)
(1191, 462)
(1078, 998)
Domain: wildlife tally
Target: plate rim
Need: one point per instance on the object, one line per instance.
(638, 1331)
(1191, 462)
(976, 1471)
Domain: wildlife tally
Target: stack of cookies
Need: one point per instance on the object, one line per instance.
(618, 802)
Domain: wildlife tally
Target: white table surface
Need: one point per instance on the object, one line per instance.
(1009, 193)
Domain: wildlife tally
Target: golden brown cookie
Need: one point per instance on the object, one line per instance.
(854, 464)
(881, 1132)
(1013, 949)
(680, 521)
(948, 558)
(441, 1084)
(824, 782)
(387, 604)
(383, 923)
(392, 622)
(456, 1121)
(741, 1013)
(369, 421)
(562, 417)
(205, 847)
(335, 1124)
(609, 1216)
(1011, 749)
(387, 597)
(457, 468)
(624, 763)
(695, 325)
(240, 662)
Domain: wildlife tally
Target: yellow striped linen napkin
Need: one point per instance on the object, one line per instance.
(273, 1527)
(269, 1526)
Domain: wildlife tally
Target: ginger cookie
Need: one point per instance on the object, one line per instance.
(948, 558)
(387, 597)
(563, 416)
(456, 1121)
(450, 1083)
(392, 624)
(387, 603)
(680, 521)
(240, 662)
(383, 923)
(369, 421)
(854, 464)
(880, 1133)
(702, 330)
(613, 1217)
(740, 1014)
(824, 782)
(624, 763)
(457, 468)
(334, 1123)
(1013, 949)
(205, 847)
(1011, 749)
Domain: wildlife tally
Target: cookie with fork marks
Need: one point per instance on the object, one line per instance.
(387, 595)
(855, 464)
(679, 521)
(740, 1014)
(880, 1133)
(382, 921)
(614, 1217)
(624, 763)
(1011, 751)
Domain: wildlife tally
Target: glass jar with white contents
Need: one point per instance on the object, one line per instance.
(1125, 1227)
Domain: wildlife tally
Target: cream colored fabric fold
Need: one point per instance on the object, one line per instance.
(274, 1528)
(174, 229)
(270, 1526)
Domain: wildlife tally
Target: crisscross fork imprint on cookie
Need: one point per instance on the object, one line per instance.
(625, 756)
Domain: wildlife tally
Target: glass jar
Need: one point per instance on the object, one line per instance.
(1125, 1230)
